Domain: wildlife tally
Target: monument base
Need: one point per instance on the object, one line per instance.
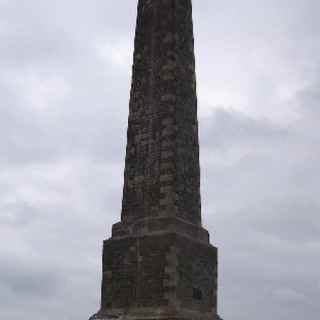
(159, 276)
(154, 314)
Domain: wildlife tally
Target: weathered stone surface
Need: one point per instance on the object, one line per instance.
(163, 128)
(159, 263)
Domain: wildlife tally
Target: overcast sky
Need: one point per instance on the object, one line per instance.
(64, 91)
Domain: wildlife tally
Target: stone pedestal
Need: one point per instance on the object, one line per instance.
(159, 273)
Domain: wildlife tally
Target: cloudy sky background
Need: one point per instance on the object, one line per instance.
(64, 91)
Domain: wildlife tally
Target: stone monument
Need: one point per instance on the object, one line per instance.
(159, 263)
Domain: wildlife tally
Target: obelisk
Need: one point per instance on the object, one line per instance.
(159, 263)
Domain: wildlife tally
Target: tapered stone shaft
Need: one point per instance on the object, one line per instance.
(162, 176)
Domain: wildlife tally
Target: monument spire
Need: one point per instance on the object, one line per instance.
(159, 263)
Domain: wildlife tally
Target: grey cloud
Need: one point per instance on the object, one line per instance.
(227, 128)
(17, 215)
(25, 279)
